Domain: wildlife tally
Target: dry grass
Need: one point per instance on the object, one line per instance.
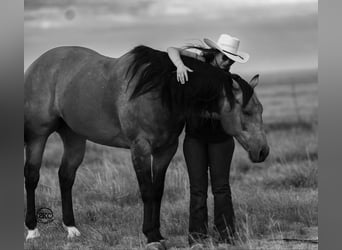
(272, 200)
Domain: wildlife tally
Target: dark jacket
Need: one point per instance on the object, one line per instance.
(207, 129)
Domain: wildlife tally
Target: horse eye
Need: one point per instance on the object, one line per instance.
(247, 112)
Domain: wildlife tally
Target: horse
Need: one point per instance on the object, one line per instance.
(132, 102)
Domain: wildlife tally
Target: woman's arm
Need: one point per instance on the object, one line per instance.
(182, 70)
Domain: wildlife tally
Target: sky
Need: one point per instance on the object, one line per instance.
(279, 35)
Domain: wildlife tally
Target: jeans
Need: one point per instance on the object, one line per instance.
(200, 156)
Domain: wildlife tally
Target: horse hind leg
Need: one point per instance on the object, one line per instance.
(74, 148)
(34, 154)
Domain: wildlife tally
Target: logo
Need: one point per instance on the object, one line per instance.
(44, 215)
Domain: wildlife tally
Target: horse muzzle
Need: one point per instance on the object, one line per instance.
(259, 155)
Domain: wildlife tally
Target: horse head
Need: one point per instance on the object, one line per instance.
(243, 120)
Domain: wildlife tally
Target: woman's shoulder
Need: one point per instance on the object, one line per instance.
(194, 53)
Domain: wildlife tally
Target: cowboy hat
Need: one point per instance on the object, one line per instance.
(229, 46)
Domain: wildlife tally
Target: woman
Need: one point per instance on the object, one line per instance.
(207, 146)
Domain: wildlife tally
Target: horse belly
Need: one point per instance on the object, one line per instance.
(88, 106)
(96, 126)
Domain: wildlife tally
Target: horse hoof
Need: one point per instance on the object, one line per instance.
(197, 246)
(163, 242)
(155, 246)
(224, 246)
(31, 234)
(72, 232)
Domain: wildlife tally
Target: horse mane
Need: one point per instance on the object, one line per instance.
(247, 90)
(157, 73)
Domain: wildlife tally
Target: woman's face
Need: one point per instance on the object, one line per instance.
(222, 61)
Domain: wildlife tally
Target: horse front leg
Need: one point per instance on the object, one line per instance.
(150, 170)
(161, 161)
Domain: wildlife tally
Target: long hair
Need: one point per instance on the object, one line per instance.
(201, 93)
(209, 54)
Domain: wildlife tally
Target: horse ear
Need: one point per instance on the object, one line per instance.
(235, 85)
(237, 92)
(255, 80)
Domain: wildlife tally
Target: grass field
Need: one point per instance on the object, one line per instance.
(273, 200)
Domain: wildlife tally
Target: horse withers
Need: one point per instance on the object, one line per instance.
(130, 102)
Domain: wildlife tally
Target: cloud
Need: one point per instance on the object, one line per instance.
(117, 12)
(277, 33)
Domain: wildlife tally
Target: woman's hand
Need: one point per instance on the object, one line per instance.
(182, 70)
(182, 73)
